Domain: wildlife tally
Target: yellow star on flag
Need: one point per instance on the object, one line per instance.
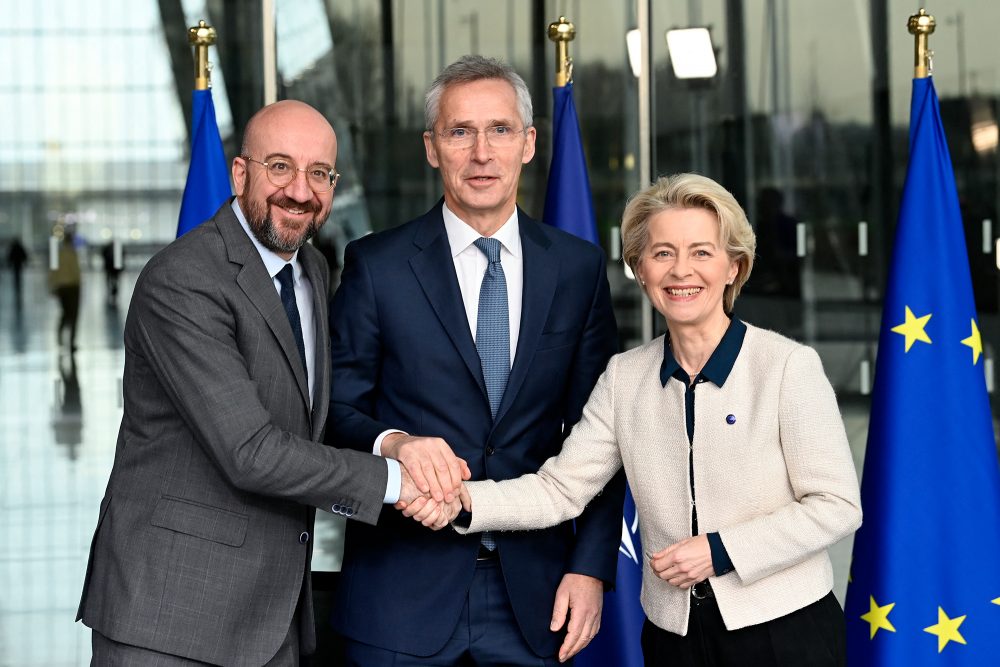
(913, 329)
(974, 341)
(995, 601)
(946, 629)
(878, 617)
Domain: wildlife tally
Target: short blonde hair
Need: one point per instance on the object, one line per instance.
(691, 191)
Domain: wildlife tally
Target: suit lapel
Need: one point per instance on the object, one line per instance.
(255, 282)
(321, 381)
(434, 269)
(541, 275)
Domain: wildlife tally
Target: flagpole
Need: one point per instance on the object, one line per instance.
(562, 33)
(920, 26)
(201, 37)
(207, 186)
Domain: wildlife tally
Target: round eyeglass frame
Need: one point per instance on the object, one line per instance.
(334, 174)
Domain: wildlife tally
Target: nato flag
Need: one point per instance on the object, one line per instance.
(925, 586)
(619, 640)
(568, 207)
(207, 186)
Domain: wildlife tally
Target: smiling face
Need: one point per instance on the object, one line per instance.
(283, 219)
(685, 269)
(480, 182)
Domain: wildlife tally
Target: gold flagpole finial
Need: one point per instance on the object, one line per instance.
(920, 26)
(201, 37)
(562, 33)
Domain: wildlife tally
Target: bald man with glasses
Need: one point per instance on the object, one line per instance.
(204, 539)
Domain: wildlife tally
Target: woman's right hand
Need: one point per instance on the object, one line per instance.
(685, 563)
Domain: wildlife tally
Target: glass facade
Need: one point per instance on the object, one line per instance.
(805, 121)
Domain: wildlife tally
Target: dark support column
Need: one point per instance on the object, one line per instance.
(240, 27)
(882, 197)
(388, 65)
(735, 122)
(538, 83)
(181, 60)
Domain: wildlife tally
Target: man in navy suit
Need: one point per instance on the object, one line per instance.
(471, 335)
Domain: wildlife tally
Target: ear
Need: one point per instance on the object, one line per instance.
(529, 146)
(239, 171)
(429, 148)
(639, 275)
(734, 268)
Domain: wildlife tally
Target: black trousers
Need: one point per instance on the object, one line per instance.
(814, 636)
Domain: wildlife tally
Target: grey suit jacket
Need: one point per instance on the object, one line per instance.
(203, 544)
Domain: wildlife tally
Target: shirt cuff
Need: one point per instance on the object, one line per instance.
(393, 484)
(377, 449)
(721, 562)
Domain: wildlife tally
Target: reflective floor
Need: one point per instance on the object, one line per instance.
(59, 416)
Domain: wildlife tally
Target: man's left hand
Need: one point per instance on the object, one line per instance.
(583, 598)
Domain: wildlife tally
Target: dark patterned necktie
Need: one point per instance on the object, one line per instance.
(286, 279)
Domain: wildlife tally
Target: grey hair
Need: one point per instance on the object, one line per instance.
(468, 69)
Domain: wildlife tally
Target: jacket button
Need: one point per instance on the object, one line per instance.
(490, 450)
(336, 509)
(303, 537)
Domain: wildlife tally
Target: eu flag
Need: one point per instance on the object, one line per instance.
(568, 207)
(207, 186)
(925, 586)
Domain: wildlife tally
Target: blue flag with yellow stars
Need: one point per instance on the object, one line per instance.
(207, 186)
(925, 577)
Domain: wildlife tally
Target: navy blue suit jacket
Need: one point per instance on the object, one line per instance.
(404, 357)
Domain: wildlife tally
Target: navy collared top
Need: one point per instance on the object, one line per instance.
(716, 371)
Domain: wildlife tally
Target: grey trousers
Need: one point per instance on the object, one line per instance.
(109, 653)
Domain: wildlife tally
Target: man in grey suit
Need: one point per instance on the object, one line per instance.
(203, 546)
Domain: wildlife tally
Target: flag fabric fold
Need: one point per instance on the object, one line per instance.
(568, 206)
(924, 586)
(207, 186)
(619, 640)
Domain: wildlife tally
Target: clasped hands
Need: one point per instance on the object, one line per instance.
(431, 492)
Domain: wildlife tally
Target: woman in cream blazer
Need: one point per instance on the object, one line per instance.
(733, 445)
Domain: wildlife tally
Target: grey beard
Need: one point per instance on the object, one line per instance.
(264, 230)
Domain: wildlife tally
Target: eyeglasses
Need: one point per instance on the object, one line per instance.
(320, 177)
(497, 136)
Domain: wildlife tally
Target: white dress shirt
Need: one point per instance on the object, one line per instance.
(303, 294)
(470, 267)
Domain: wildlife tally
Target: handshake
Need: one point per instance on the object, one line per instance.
(431, 491)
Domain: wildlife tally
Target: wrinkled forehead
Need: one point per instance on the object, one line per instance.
(486, 101)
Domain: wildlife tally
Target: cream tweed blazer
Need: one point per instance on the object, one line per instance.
(778, 484)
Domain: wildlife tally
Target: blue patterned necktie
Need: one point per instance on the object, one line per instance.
(493, 336)
(286, 279)
(493, 325)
